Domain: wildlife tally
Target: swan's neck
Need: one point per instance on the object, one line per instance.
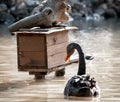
(82, 64)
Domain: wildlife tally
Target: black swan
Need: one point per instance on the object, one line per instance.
(81, 84)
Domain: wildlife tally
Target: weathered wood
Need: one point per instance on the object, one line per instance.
(45, 31)
(33, 69)
(56, 38)
(56, 59)
(32, 40)
(42, 19)
(42, 51)
(47, 14)
(57, 48)
(32, 58)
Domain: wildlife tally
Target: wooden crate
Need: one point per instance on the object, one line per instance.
(41, 50)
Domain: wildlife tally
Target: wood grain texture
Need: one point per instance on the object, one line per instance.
(57, 37)
(56, 49)
(55, 60)
(32, 59)
(38, 51)
(31, 42)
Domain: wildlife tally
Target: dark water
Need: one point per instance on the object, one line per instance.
(100, 39)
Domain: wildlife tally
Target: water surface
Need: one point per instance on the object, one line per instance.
(102, 40)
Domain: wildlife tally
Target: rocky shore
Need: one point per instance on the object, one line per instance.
(95, 8)
(14, 10)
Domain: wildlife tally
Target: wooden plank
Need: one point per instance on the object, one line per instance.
(31, 42)
(32, 59)
(55, 49)
(44, 31)
(44, 69)
(33, 69)
(56, 59)
(57, 37)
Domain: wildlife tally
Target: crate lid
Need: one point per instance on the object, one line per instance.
(37, 30)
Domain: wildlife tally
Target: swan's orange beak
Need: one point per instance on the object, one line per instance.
(67, 57)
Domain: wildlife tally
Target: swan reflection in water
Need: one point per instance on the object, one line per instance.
(81, 85)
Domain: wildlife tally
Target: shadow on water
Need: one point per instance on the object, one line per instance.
(21, 84)
(100, 39)
(12, 85)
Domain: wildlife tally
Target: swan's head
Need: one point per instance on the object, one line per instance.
(70, 50)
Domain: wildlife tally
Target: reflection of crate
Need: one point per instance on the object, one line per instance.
(41, 50)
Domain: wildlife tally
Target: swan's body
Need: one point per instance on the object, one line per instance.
(81, 84)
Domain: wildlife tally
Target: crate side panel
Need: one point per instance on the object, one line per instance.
(55, 49)
(56, 60)
(32, 59)
(57, 37)
(31, 42)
